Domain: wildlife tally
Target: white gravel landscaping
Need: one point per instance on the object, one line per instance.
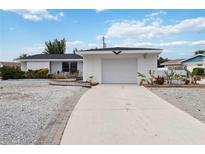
(27, 106)
(190, 100)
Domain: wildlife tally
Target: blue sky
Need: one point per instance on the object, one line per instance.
(178, 32)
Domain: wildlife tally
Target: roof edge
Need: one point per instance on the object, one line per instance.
(192, 57)
(119, 48)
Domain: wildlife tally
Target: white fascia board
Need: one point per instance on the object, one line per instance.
(48, 60)
(123, 51)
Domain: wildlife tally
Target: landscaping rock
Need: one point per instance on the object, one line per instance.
(28, 106)
(191, 100)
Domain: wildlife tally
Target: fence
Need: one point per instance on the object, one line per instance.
(161, 71)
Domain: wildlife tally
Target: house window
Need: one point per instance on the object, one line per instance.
(73, 67)
(65, 67)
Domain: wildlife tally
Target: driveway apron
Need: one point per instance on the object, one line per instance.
(129, 114)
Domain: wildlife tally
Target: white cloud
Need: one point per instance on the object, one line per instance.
(61, 14)
(183, 43)
(146, 30)
(35, 49)
(70, 46)
(99, 37)
(163, 44)
(99, 10)
(37, 15)
(156, 14)
(81, 45)
(94, 45)
(73, 43)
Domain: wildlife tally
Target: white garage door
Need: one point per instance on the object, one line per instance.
(119, 71)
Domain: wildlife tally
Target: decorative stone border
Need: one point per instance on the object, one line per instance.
(70, 83)
(53, 133)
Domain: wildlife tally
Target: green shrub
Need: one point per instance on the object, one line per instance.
(63, 75)
(8, 72)
(40, 73)
(159, 80)
(50, 76)
(186, 81)
(30, 74)
(198, 71)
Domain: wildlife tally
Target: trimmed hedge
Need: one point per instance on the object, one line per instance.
(40, 73)
(8, 72)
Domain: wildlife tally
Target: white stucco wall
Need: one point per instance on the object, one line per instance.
(56, 66)
(92, 64)
(80, 68)
(33, 65)
(53, 66)
(92, 67)
(24, 66)
(147, 62)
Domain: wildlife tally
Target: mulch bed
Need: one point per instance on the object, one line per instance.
(176, 86)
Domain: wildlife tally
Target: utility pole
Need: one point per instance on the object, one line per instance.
(104, 44)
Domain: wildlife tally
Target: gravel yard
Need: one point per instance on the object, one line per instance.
(28, 106)
(191, 100)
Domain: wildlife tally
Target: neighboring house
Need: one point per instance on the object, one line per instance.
(173, 64)
(118, 64)
(54, 62)
(11, 64)
(194, 61)
(103, 65)
(189, 63)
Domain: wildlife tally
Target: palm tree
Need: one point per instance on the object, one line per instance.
(24, 55)
(55, 47)
(199, 52)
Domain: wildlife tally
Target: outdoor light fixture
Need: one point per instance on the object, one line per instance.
(117, 52)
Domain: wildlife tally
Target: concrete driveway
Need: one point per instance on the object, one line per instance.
(129, 114)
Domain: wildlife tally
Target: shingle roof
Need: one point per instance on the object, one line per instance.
(194, 56)
(53, 56)
(119, 48)
(172, 62)
(10, 63)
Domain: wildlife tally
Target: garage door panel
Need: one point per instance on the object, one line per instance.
(119, 70)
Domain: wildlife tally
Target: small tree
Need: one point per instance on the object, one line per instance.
(193, 76)
(161, 60)
(169, 76)
(198, 71)
(55, 47)
(152, 76)
(143, 78)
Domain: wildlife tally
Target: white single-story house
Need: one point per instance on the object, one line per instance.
(190, 63)
(194, 61)
(103, 65)
(53, 62)
(174, 64)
